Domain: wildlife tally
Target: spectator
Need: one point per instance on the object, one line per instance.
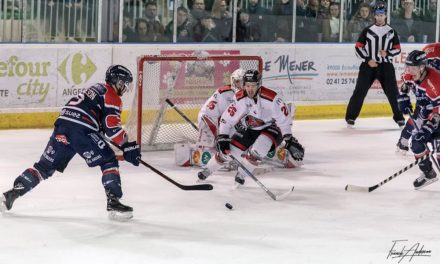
(312, 25)
(429, 20)
(198, 11)
(184, 26)
(407, 23)
(260, 16)
(282, 12)
(330, 26)
(324, 9)
(155, 29)
(247, 31)
(223, 20)
(206, 30)
(361, 19)
(141, 32)
(301, 33)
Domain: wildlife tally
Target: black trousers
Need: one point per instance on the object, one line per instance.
(386, 75)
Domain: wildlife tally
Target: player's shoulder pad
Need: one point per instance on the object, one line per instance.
(267, 93)
(99, 88)
(240, 95)
(225, 88)
(432, 50)
(432, 82)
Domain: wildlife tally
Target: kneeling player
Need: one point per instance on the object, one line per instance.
(208, 118)
(267, 123)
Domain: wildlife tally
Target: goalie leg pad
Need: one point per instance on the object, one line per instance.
(207, 131)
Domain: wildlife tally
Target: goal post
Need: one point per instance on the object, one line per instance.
(188, 81)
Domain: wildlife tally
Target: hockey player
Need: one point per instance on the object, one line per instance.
(78, 130)
(433, 60)
(208, 118)
(267, 122)
(428, 79)
(214, 107)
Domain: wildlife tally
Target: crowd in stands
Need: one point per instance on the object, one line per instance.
(265, 21)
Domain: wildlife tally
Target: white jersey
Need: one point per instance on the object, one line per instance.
(217, 103)
(263, 111)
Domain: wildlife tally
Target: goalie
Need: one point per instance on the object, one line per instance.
(267, 122)
(198, 154)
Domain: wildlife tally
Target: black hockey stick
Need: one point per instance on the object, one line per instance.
(271, 194)
(199, 187)
(181, 113)
(356, 188)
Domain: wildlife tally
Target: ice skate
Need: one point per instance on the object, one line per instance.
(203, 174)
(425, 179)
(116, 210)
(402, 146)
(350, 123)
(7, 199)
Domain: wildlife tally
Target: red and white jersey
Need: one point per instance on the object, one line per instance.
(260, 112)
(431, 84)
(217, 103)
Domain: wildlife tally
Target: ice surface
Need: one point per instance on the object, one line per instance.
(64, 219)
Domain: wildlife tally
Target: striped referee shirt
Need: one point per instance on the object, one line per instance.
(375, 38)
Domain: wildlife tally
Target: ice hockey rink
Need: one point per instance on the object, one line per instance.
(64, 219)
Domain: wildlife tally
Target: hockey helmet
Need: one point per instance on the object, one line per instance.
(237, 78)
(252, 76)
(380, 8)
(416, 58)
(120, 77)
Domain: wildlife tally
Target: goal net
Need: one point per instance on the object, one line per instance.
(188, 81)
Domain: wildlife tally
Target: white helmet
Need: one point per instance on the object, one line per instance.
(237, 79)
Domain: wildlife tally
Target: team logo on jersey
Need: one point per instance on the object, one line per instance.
(62, 139)
(88, 155)
(252, 121)
(232, 110)
(74, 71)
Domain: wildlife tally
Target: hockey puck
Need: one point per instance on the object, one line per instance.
(228, 205)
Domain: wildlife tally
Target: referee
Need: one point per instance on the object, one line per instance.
(376, 45)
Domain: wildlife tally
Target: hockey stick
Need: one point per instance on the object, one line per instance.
(271, 194)
(356, 188)
(181, 114)
(199, 187)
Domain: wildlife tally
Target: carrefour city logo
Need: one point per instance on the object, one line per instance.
(77, 68)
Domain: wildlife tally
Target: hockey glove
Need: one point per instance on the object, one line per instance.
(404, 104)
(295, 149)
(425, 111)
(132, 152)
(222, 143)
(434, 63)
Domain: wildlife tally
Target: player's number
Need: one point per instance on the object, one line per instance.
(284, 110)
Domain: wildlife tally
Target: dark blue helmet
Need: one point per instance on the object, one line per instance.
(120, 77)
(416, 58)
